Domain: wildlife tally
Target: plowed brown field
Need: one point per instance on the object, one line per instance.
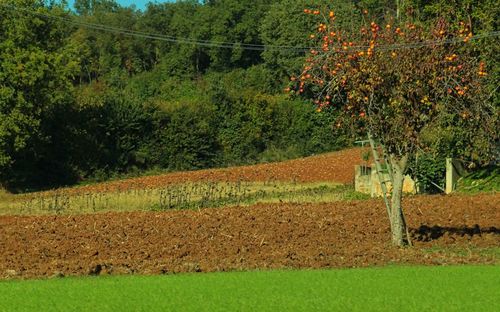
(331, 167)
(340, 234)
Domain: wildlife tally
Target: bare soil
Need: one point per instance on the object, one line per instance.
(331, 167)
(339, 234)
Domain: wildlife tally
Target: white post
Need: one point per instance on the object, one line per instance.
(452, 176)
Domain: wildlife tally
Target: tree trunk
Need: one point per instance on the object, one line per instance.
(398, 223)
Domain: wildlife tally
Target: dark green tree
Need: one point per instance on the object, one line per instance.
(36, 72)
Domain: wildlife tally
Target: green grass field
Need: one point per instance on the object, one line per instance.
(396, 288)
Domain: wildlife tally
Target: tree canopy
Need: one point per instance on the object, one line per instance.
(401, 80)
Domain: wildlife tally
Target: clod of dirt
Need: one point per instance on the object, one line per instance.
(96, 270)
(10, 273)
(57, 274)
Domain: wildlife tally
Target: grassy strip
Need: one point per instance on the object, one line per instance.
(462, 288)
(461, 251)
(480, 181)
(179, 196)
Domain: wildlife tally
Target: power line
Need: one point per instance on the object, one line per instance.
(239, 45)
(161, 37)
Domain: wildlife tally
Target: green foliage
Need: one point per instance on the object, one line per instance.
(481, 14)
(155, 121)
(186, 137)
(89, 7)
(486, 179)
(285, 25)
(254, 124)
(35, 82)
(429, 171)
(448, 137)
(78, 102)
(228, 21)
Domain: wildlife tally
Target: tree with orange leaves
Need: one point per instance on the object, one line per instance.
(395, 82)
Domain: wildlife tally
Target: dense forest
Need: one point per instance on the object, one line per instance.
(100, 90)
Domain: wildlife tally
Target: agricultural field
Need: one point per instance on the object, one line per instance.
(454, 230)
(237, 219)
(321, 178)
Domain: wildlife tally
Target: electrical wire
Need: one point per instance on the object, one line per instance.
(160, 37)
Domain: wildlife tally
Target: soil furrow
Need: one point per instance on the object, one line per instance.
(339, 234)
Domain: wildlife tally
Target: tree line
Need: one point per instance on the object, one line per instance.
(88, 94)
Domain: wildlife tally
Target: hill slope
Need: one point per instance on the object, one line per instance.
(331, 167)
